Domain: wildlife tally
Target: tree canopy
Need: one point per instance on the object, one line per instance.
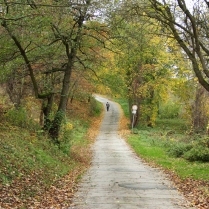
(133, 48)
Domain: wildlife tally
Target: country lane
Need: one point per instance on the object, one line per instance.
(118, 179)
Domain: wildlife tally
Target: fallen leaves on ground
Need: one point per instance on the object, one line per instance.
(59, 195)
(28, 191)
(195, 191)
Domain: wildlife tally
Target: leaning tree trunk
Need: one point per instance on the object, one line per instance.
(71, 52)
(59, 116)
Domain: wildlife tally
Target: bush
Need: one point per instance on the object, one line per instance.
(197, 153)
(66, 137)
(169, 111)
(178, 150)
(19, 117)
(204, 142)
(95, 107)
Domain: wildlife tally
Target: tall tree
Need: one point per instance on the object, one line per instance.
(183, 21)
(188, 24)
(140, 59)
(52, 46)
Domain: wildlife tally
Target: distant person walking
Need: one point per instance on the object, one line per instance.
(108, 106)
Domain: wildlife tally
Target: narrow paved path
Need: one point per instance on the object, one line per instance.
(118, 179)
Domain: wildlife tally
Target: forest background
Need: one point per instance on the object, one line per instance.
(55, 54)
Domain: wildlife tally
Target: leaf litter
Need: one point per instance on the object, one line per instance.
(19, 193)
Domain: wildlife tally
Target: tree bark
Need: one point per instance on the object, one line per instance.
(199, 118)
(56, 123)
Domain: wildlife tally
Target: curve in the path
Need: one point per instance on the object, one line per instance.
(118, 179)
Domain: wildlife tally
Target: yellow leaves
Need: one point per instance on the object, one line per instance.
(68, 126)
(207, 128)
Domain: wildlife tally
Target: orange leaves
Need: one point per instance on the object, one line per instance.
(30, 192)
(196, 191)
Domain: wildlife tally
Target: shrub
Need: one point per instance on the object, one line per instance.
(19, 117)
(178, 150)
(169, 111)
(65, 137)
(95, 107)
(204, 142)
(197, 153)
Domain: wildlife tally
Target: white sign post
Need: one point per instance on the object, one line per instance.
(134, 109)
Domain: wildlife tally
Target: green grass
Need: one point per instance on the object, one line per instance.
(153, 144)
(123, 103)
(25, 150)
(31, 164)
(95, 107)
(152, 149)
(22, 154)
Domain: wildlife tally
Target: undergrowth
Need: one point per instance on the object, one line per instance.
(170, 145)
(23, 152)
(30, 162)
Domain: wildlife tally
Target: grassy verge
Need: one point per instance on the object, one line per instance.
(38, 174)
(30, 163)
(150, 146)
(124, 105)
(155, 145)
(23, 152)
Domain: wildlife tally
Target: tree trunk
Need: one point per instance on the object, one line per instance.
(45, 112)
(199, 120)
(135, 101)
(56, 123)
(55, 127)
